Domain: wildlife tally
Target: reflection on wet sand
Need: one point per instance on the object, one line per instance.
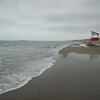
(93, 56)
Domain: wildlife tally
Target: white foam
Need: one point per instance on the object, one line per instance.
(19, 80)
(83, 45)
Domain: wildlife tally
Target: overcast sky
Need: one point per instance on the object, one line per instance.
(48, 19)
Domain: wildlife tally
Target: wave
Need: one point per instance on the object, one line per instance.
(15, 81)
(22, 61)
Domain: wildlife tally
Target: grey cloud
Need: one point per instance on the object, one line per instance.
(7, 22)
(75, 22)
(92, 3)
(44, 19)
(73, 17)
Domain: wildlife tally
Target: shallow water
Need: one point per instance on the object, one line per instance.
(92, 58)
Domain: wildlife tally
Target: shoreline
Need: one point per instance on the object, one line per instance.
(80, 47)
(42, 71)
(64, 80)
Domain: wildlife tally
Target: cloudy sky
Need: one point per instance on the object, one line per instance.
(48, 19)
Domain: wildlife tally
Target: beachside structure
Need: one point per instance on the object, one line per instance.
(95, 38)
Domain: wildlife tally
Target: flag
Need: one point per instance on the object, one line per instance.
(93, 33)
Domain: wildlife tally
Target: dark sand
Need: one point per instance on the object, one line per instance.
(70, 78)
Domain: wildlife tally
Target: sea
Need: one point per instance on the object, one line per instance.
(20, 61)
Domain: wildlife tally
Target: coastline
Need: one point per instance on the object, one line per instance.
(66, 79)
(81, 47)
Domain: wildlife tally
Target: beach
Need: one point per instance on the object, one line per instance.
(74, 76)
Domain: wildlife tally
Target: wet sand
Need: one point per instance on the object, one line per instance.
(72, 77)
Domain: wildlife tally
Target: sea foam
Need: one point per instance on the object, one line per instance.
(21, 61)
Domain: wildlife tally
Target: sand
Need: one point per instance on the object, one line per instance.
(73, 77)
(82, 50)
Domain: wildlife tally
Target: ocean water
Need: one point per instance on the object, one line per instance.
(20, 61)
